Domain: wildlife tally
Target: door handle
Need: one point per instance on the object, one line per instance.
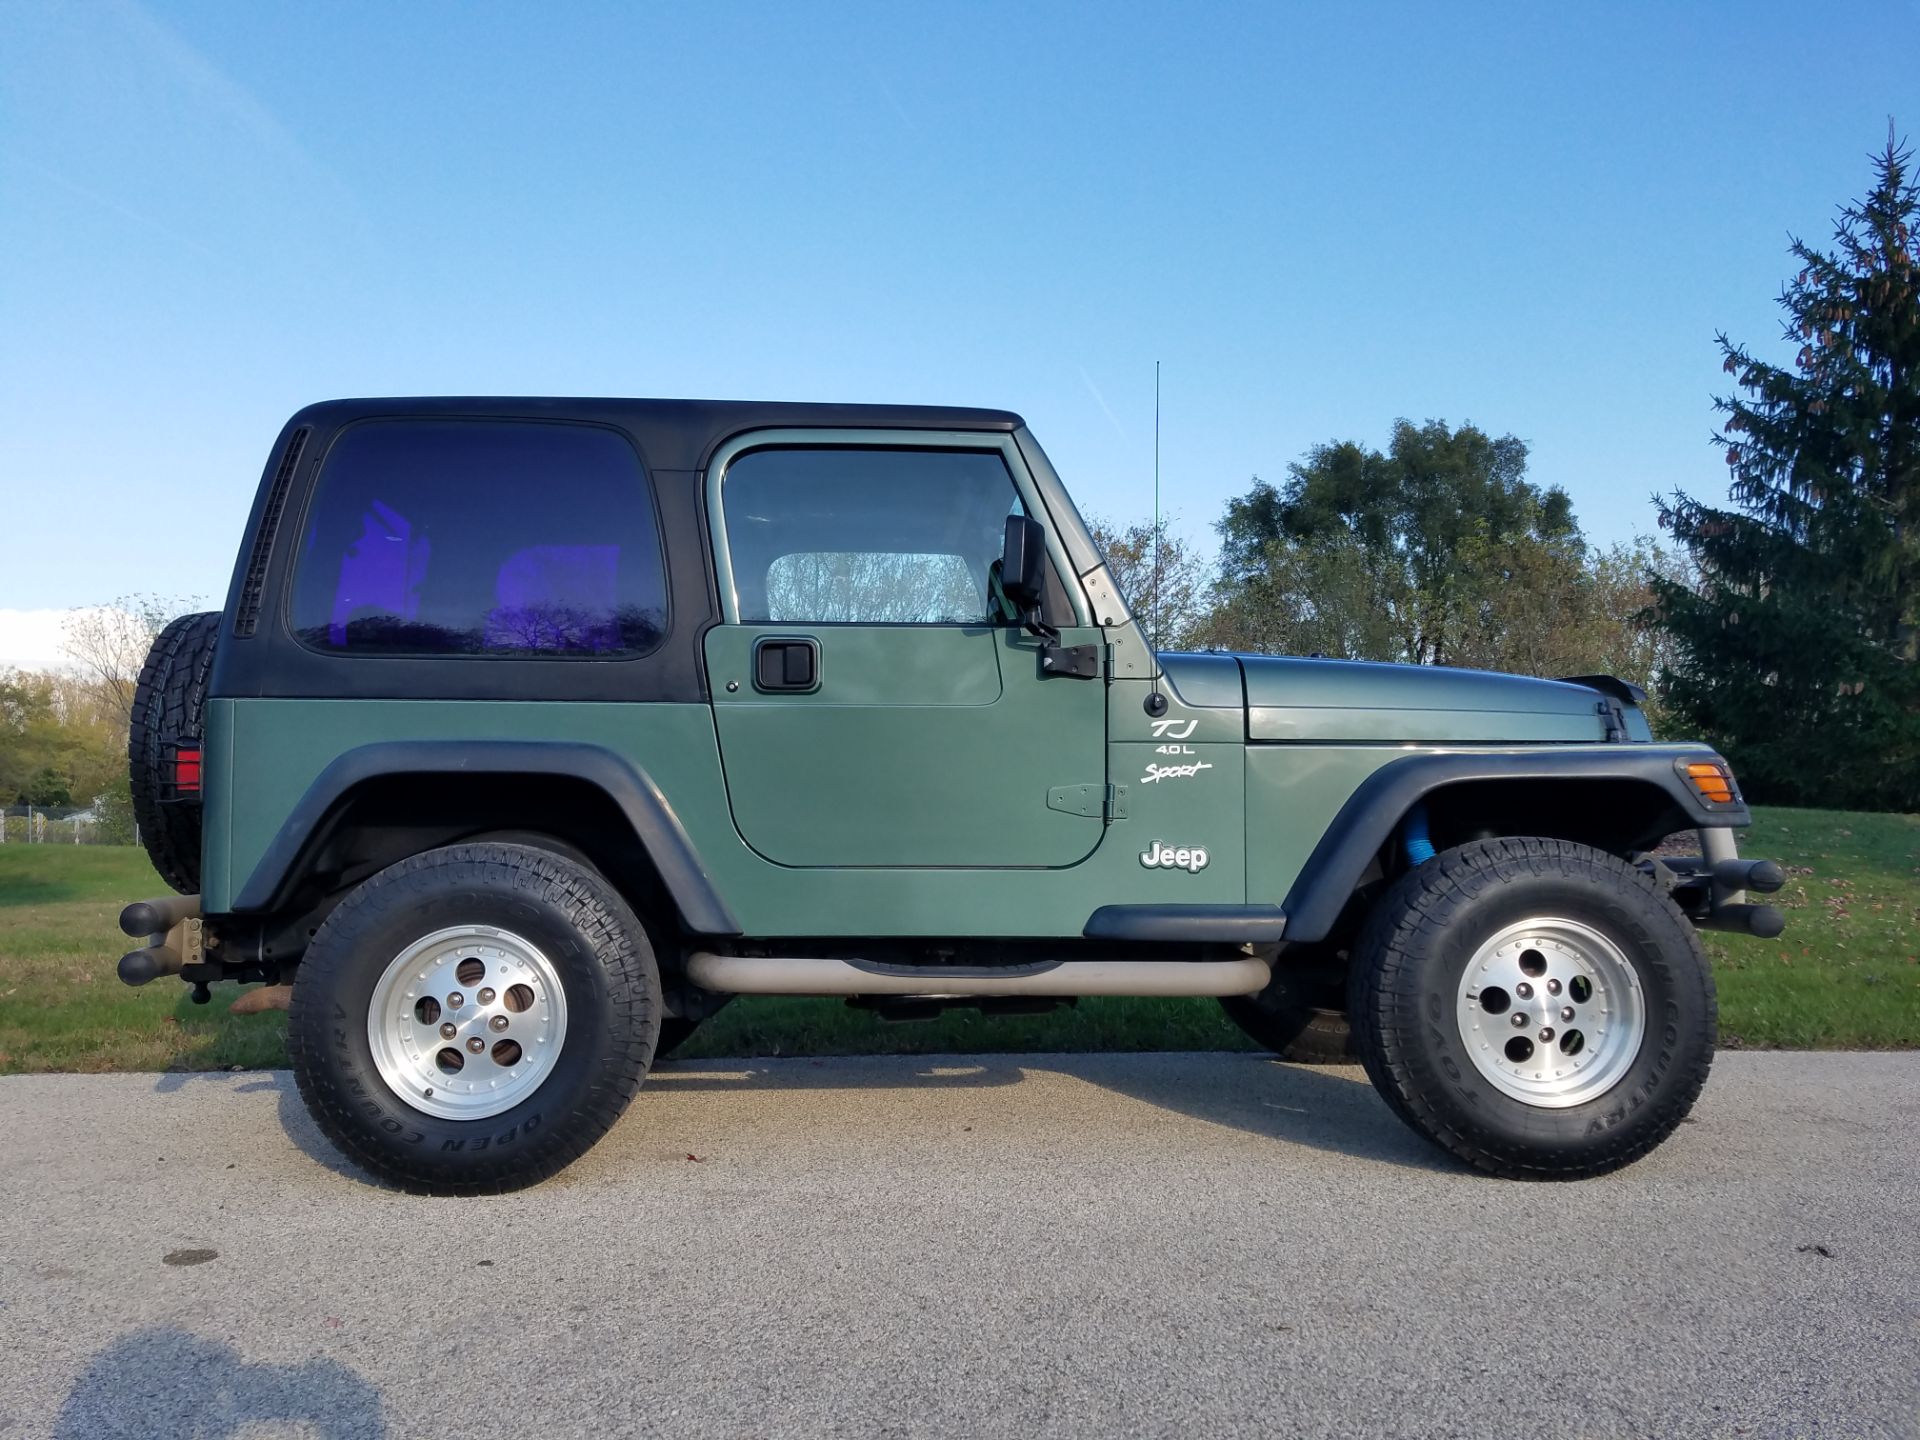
(786, 664)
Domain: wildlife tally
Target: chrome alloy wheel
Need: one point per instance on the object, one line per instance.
(467, 1022)
(1551, 1012)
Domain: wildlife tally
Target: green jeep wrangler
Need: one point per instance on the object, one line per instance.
(533, 731)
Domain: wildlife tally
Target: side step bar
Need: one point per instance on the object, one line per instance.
(1173, 924)
(812, 975)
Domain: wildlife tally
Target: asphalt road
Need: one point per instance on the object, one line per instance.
(1003, 1245)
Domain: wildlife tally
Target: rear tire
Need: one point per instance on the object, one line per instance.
(1462, 984)
(417, 981)
(169, 705)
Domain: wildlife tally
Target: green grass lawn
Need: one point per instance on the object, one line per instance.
(62, 1007)
(1845, 975)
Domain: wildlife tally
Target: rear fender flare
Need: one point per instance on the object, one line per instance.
(628, 786)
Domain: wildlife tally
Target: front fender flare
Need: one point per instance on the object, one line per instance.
(1367, 821)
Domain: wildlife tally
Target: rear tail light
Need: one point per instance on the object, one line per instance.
(182, 773)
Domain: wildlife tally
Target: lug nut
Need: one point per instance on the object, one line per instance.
(1519, 1019)
(476, 1044)
(449, 1030)
(499, 1022)
(1566, 1012)
(1523, 990)
(485, 997)
(456, 1000)
(1546, 1033)
(1553, 987)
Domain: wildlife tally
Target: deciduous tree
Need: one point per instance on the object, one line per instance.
(1389, 555)
(1164, 581)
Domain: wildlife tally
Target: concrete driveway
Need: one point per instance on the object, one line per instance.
(1000, 1245)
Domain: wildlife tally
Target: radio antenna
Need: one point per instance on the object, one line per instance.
(1153, 620)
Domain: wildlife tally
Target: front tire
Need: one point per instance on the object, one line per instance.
(475, 1018)
(1538, 1008)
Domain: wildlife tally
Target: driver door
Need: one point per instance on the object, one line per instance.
(876, 704)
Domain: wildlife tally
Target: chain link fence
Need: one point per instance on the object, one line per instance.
(63, 825)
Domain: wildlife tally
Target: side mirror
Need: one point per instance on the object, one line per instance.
(1023, 561)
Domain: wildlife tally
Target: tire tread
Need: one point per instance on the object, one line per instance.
(169, 706)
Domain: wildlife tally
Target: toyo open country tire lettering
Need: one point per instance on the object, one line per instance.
(169, 706)
(1538, 1008)
(474, 1018)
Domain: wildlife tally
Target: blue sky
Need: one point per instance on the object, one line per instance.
(1534, 217)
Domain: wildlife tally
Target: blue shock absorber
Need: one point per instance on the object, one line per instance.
(1413, 833)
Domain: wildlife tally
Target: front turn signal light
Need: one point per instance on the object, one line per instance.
(1712, 781)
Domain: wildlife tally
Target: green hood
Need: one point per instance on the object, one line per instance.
(1348, 700)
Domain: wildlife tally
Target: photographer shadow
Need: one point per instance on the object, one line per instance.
(165, 1382)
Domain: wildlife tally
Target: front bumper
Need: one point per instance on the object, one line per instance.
(1712, 887)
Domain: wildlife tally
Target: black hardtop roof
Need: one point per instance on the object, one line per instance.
(674, 434)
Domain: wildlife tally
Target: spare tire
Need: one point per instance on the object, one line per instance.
(169, 708)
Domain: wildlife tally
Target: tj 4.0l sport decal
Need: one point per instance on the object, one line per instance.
(1170, 733)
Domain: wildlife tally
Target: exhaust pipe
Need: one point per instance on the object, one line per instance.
(814, 975)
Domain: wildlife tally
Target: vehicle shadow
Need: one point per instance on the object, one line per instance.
(1327, 1108)
(1330, 1108)
(164, 1381)
(295, 1122)
(170, 1082)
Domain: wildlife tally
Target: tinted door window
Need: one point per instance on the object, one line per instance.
(470, 537)
(868, 536)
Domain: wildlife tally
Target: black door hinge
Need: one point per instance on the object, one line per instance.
(1080, 661)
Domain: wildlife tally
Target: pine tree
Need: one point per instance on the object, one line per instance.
(1799, 650)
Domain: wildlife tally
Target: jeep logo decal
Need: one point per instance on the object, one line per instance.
(1164, 857)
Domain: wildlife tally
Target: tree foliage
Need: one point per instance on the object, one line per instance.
(1797, 651)
(109, 643)
(61, 741)
(1164, 581)
(63, 734)
(1438, 550)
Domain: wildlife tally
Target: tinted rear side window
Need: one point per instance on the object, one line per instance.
(472, 537)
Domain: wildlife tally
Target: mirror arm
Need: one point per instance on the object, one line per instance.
(1034, 625)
